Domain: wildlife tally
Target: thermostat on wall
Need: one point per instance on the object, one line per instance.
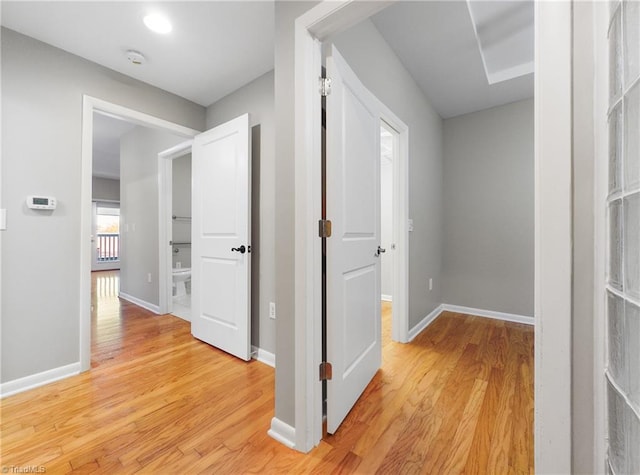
(41, 202)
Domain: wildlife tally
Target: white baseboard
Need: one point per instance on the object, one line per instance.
(508, 317)
(263, 356)
(282, 432)
(140, 303)
(424, 323)
(40, 379)
(386, 298)
(478, 312)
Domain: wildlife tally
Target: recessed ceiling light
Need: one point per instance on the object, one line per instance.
(158, 23)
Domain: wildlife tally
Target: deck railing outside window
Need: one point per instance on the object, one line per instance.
(108, 247)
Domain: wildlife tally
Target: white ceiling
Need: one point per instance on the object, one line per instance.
(453, 50)
(437, 44)
(466, 56)
(215, 47)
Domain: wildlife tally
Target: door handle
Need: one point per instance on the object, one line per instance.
(240, 249)
(379, 251)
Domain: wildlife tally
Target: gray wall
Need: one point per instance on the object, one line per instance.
(488, 209)
(139, 250)
(42, 89)
(181, 206)
(377, 66)
(106, 189)
(286, 13)
(257, 98)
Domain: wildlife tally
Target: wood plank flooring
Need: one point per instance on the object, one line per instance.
(458, 399)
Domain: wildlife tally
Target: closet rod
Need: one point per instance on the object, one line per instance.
(182, 218)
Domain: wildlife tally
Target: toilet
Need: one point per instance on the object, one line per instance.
(180, 276)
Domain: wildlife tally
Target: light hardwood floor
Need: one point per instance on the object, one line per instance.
(458, 399)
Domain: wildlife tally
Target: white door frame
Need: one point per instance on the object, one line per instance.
(552, 231)
(89, 106)
(553, 138)
(165, 222)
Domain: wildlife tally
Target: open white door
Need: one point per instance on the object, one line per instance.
(221, 229)
(353, 263)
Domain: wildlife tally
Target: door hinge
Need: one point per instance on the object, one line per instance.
(325, 86)
(325, 371)
(324, 228)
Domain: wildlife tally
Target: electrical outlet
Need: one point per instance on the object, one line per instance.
(411, 225)
(430, 284)
(149, 277)
(272, 310)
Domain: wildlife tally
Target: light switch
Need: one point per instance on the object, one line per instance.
(410, 225)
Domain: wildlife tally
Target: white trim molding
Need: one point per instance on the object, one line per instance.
(263, 356)
(553, 135)
(424, 323)
(478, 312)
(139, 302)
(39, 379)
(282, 432)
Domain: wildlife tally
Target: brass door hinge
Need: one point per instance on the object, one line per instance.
(325, 371)
(324, 228)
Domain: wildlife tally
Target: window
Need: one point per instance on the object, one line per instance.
(107, 233)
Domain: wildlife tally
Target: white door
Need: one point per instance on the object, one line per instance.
(353, 262)
(221, 228)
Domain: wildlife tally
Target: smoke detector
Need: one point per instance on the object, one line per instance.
(135, 57)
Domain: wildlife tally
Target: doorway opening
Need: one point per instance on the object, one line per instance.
(351, 178)
(93, 108)
(174, 232)
(551, 144)
(181, 236)
(389, 138)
